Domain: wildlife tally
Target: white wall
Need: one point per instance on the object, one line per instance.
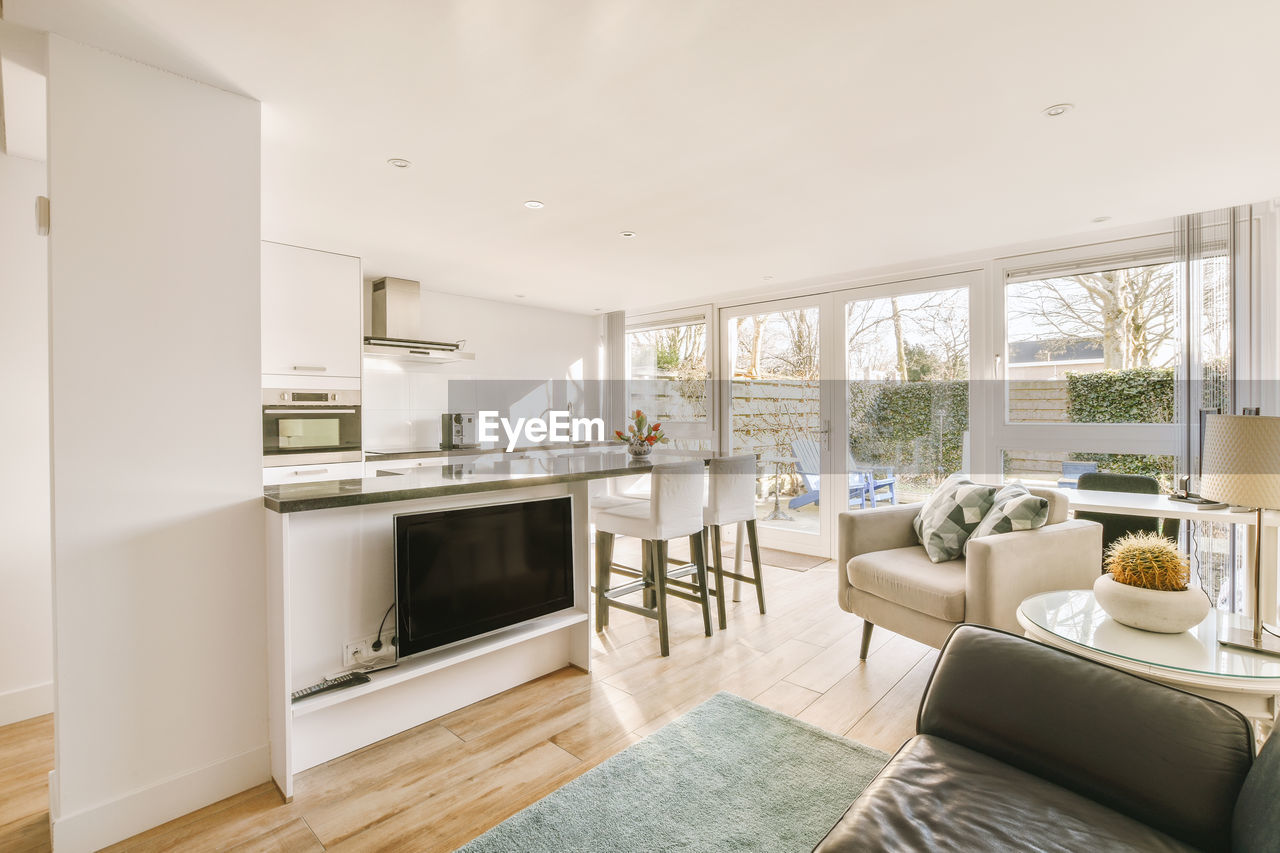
(26, 678)
(159, 577)
(512, 342)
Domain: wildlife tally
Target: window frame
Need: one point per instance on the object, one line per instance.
(1006, 435)
(705, 314)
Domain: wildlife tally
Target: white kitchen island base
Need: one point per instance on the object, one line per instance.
(331, 578)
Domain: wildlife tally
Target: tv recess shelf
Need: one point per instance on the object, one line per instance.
(446, 656)
(330, 552)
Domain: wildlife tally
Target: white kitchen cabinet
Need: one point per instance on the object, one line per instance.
(311, 473)
(311, 324)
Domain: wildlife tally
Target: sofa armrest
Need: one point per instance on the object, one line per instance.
(1169, 759)
(1004, 569)
(865, 530)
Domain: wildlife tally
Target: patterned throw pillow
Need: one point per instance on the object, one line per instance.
(1014, 508)
(950, 515)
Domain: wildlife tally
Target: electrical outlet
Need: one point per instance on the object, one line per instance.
(360, 652)
(355, 653)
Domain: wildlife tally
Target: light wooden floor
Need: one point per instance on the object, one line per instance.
(439, 785)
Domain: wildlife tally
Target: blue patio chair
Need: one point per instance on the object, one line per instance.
(863, 484)
(888, 481)
(1071, 472)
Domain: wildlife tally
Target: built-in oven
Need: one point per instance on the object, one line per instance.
(310, 427)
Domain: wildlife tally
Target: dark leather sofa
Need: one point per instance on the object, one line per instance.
(1020, 746)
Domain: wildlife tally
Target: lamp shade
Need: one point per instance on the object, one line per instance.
(1241, 460)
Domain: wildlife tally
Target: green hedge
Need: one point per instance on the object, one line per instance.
(916, 427)
(1142, 395)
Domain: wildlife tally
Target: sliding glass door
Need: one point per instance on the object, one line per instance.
(852, 399)
(776, 405)
(906, 371)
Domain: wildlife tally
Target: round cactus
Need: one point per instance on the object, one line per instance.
(1148, 560)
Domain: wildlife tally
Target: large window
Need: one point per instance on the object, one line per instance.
(1093, 363)
(1094, 347)
(1111, 354)
(668, 376)
(907, 359)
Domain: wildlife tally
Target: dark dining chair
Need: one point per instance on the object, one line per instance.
(1115, 526)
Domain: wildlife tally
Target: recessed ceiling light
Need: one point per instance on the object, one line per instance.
(519, 296)
(626, 233)
(1058, 109)
(533, 204)
(399, 163)
(1101, 218)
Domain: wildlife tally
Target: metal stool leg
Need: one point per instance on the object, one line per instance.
(699, 555)
(604, 559)
(658, 559)
(739, 541)
(717, 562)
(754, 542)
(648, 597)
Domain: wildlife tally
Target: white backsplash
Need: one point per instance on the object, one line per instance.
(402, 403)
(402, 407)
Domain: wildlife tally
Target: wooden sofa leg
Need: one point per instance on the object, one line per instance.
(866, 639)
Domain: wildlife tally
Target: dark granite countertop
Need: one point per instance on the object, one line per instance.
(427, 453)
(482, 475)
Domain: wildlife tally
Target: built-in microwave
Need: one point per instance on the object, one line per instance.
(303, 427)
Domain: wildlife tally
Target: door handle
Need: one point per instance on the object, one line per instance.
(314, 368)
(311, 471)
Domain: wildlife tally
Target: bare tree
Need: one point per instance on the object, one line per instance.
(750, 340)
(1133, 312)
(881, 332)
(943, 324)
(899, 348)
(798, 355)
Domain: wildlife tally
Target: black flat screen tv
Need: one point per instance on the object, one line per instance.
(465, 572)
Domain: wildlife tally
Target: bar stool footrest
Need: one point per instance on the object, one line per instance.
(634, 608)
(625, 589)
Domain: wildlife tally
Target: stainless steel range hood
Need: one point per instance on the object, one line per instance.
(397, 326)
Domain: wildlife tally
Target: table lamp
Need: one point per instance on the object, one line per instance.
(1240, 465)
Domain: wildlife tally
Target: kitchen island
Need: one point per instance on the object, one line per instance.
(482, 474)
(331, 557)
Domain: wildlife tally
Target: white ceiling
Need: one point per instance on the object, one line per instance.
(738, 138)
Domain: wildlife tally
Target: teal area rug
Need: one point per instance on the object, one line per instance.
(728, 776)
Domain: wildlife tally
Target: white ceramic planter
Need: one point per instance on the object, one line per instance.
(1151, 609)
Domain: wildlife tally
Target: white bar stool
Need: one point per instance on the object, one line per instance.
(604, 545)
(731, 499)
(673, 511)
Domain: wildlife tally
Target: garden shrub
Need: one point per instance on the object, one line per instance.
(1143, 395)
(916, 427)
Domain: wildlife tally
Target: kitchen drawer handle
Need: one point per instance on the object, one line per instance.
(310, 367)
(312, 471)
(308, 411)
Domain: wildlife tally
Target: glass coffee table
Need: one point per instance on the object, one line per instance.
(1193, 660)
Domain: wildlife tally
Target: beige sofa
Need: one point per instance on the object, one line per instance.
(885, 577)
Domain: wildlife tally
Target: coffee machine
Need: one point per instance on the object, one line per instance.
(458, 431)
